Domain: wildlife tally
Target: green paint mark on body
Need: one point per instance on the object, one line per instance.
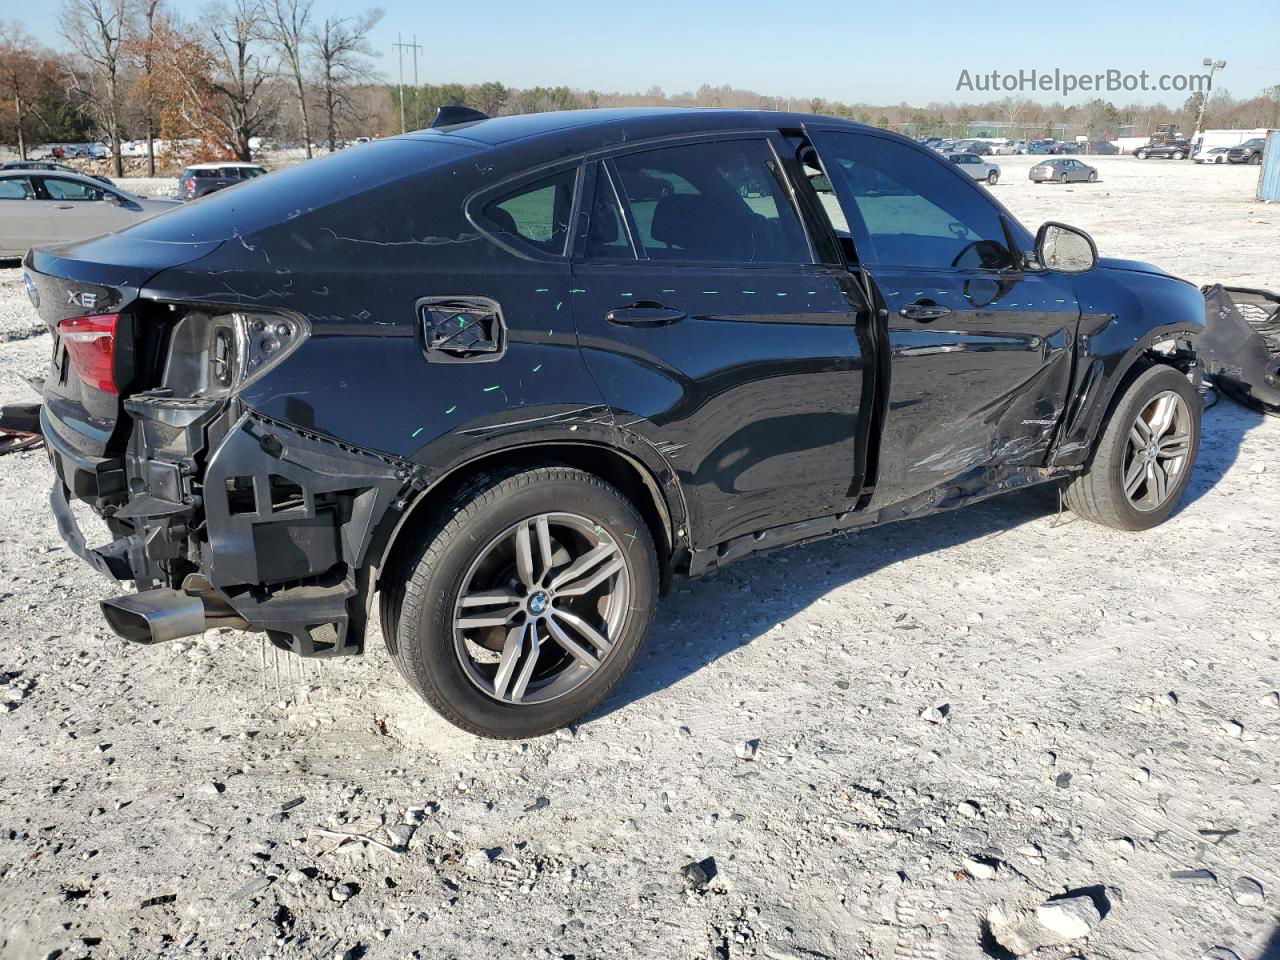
(493, 388)
(416, 432)
(537, 368)
(451, 409)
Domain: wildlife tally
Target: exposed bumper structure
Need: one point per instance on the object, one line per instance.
(1240, 346)
(223, 518)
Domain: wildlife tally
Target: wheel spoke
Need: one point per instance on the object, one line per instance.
(1161, 480)
(579, 652)
(544, 544)
(491, 618)
(581, 567)
(511, 651)
(1162, 420)
(1175, 446)
(530, 662)
(586, 631)
(1133, 479)
(1143, 430)
(489, 598)
(1136, 440)
(600, 576)
(524, 556)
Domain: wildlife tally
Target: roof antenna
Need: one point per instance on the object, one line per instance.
(448, 116)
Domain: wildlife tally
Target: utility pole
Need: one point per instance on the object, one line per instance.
(401, 47)
(1214, 66)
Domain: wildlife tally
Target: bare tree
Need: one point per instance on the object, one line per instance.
(18, 68)
(342, 52)
(95, 30)
(145, 44)
(239, 72)
(290, 23)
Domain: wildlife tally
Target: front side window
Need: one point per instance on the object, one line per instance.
(714, 202)
(59, 189)
(537, 212)
(16, 188)
(906, 209)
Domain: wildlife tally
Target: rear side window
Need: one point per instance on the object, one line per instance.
(711, 202)
(16, 188)
(537, 212)
(906, 209)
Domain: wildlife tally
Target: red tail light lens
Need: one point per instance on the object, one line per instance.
(91, 344)
(191, 184)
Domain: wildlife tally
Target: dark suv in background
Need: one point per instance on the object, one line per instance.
(202, 178)
(1248, 152)
(513, 375)
(1166, 149)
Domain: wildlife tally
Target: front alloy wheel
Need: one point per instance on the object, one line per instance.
(1142, 463)
(1159, 441)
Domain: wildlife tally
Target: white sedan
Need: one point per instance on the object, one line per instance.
(1216, 155)
(39, 207)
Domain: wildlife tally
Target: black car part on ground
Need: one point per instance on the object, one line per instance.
(1240, 346)
(19, 427)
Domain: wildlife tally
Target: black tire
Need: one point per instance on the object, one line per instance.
(1098, 493)
(419, 596)
(1062, 178)
(1093, 176)
(1255, 160)
(992, 177)
(1177, 155)
(1141, 154)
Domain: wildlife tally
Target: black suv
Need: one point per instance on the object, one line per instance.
(1248, 152)
(512, 375)
(1168, 149)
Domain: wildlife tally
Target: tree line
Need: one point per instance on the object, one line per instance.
(246, 70)
(135, 70)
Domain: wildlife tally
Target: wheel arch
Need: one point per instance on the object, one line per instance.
(652, 487)
(1098, 389)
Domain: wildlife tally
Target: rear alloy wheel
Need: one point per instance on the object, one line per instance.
(1143, 461)
(1177, 154)
(1062, 178)
(527, 607)
(992, 177)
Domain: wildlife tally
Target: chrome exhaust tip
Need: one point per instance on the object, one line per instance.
(154, 616)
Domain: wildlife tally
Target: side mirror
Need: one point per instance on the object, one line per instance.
(1065, 249)
(111, 198)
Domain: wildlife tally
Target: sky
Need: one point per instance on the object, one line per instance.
(881, 53)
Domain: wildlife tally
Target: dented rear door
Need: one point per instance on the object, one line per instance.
(980, 349)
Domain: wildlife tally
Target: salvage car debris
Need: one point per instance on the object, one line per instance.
(1240, 346)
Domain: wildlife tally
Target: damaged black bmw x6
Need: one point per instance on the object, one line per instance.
(512, 375)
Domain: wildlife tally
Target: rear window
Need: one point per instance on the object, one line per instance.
(537, 212)
(200, 174)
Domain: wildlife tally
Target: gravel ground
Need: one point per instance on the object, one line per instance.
(947, 722)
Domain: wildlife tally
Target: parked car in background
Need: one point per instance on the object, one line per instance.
(203, 178)
(39, 207)
(1172, 149)
(50, 165)
(1010, 148)
(975, 166)
(1061, 147)
(362, 410)
(1038, 147)
(1248, 152)
(1213, 155)
(1062, 170)
(979, 147)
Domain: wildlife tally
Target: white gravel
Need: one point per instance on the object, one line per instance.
(208, 798)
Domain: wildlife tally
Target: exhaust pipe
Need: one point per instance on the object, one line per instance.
(154, 616)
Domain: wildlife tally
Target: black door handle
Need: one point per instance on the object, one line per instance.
(644, 315)
(925, 310)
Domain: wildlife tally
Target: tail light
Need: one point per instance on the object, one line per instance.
(91, 345)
